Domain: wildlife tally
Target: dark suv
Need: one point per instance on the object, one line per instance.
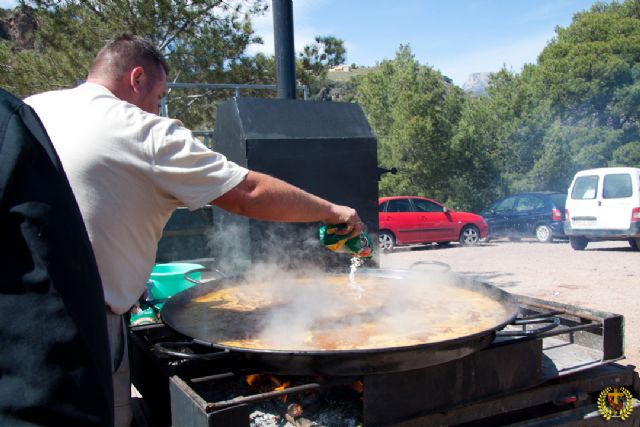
(536, 214)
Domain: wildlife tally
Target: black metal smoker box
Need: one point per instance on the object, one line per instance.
(325, 148)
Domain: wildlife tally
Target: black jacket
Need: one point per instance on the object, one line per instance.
(54, 350)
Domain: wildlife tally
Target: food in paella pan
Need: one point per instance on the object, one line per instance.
(311, 314)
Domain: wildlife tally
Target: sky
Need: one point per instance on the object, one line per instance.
(455, 37)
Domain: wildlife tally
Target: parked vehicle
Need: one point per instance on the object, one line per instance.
(535, 214)
(604, 204)
(407, 220)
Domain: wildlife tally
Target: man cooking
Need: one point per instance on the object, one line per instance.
(130, 168)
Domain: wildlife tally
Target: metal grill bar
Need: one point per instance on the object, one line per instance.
(262, 396)
(213, 377)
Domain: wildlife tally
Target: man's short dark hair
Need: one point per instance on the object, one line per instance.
(126, 51)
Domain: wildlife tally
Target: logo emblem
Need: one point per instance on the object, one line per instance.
(616, 402)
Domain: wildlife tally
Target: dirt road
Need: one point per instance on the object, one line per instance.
(605, 276)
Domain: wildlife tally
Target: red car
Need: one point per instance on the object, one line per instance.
(405, 220)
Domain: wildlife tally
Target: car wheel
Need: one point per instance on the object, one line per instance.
(544, 233)
(470, 235)
(635, 243)
(578, 242)
(386, 241)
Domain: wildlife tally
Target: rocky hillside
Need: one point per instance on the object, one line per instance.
(18, 26)
(476, 83)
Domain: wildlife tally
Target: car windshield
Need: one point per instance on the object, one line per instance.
(559, 200)
(505, 205)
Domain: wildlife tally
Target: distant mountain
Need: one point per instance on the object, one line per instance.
(476, 83)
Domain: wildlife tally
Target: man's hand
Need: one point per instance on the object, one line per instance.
(349, 217)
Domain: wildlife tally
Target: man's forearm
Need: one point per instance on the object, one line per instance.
(267, 198)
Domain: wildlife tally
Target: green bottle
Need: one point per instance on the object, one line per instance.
(360, 246)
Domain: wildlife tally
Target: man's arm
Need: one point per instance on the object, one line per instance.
(266, 198)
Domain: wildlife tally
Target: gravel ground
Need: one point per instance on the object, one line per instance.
(605, 276)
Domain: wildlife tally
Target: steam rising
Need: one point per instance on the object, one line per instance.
(288, 301)
(311, 310)
(237, 243)
(229, 243)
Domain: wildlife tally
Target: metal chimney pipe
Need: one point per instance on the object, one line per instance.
(284, 50)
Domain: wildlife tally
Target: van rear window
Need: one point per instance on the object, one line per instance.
(585, 187)
(616, 186)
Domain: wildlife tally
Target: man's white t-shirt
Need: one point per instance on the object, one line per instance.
(128, 170)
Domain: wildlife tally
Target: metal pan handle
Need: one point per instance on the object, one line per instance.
(166, 348)
(549, 322)
(198, 282)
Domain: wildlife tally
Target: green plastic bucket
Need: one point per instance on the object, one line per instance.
(169, 279)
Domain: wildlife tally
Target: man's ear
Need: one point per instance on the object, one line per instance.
(136, 77)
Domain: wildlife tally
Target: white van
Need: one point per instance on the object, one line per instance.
(603, 204)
